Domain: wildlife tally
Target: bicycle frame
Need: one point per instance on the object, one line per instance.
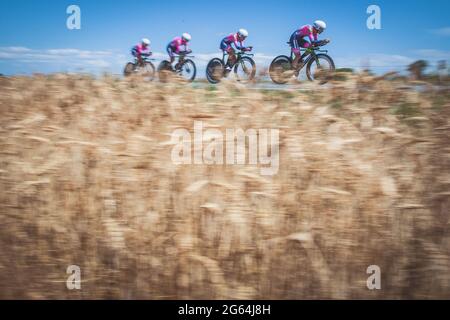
(239, 56)
(144, 59)
(181, 57)
(181, 61)
(310, 53)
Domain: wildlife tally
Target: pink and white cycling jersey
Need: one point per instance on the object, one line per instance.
(139, 49)
(232, 39)
(308, 31)
(177, 43)
(298, 38)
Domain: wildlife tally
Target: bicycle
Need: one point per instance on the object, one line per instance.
(244, 68)
(145, 69)
(319, 65)
(185, 68)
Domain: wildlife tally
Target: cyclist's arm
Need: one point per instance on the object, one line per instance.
(314, 39)
(185, 51)
(238, 45)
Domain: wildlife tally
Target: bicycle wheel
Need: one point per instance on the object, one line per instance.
(280, 69)
(188, 70)
(129, 69)
(164, 70)
(320, 69)
(245, 69)
(147, 71)
(214, 70)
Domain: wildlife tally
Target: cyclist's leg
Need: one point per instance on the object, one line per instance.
(297, 57)
(295, 45)
(225, 49)
(305, 45)
(135, 54)
(223, 46)
(170, 53)
(231, 57)
(179, 64)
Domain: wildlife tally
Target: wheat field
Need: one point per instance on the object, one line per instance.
(86, 179)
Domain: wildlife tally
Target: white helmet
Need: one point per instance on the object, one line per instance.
(320, 25)
(146, 41)
(186, 36)
(243, 33)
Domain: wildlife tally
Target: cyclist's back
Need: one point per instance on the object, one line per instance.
(298, 40)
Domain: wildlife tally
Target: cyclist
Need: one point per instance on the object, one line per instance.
(175, 46)
(231, 43)
(140, 50)
(305, 37)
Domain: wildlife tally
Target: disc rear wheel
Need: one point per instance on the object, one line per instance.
(281, 70)
(129, 69)
(215, 70)
(164, 71)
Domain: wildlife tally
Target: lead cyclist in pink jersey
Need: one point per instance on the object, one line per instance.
(234, 41)
(179, 45)
(305, 37)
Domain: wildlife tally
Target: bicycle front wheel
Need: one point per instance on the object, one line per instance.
(147, 71)
(320, 68)
(245, 69)
(188, 70)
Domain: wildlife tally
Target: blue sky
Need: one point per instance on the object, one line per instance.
(34, 36)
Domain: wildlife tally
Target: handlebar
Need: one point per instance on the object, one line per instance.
(319, 49)
(319, 46)
(241, 53)
(322, 43)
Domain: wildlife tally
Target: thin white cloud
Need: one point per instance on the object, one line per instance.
(18, 49)
(65, 58)
(70, 59)
(20, 53)
(433, 54)
(389, 60)
(442, 31)
(375, 60)
(202, 59)
(263, 59)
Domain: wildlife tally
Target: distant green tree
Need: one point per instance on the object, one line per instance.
(417, 68)
(345, 70)
(442, 70)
